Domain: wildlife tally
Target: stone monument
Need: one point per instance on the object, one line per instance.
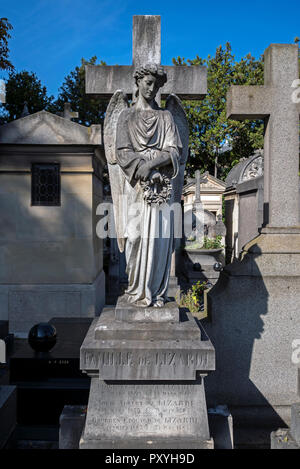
(254, 306)
(147, 359)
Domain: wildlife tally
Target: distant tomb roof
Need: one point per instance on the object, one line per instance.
(45, 128)
(247, 168)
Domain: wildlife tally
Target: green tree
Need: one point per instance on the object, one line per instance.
(24, 87)
(216, 143)
(91, 110)
(5, 28)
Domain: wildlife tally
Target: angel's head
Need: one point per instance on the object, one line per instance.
(149, 78)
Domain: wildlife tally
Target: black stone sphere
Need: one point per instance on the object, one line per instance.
(42, 337)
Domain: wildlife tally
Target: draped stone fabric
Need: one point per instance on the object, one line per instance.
(149, 231)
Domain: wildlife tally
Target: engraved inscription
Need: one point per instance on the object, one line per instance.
(142, 359)
(147, 410)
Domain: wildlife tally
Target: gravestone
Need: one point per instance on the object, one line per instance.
(48, 381)
(254, 306)
(244, 202)
(50, 185)
(147, 364)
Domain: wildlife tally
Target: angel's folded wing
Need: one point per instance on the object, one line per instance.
(173, 104)
(116, 105)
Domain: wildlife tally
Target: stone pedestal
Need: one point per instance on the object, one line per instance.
(254, 321)
(147, 388)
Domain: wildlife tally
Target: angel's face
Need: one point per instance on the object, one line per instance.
(148, 87)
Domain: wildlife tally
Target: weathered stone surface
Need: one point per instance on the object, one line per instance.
(177, 359)
(254, 308)
(120, 415)
(29, 304)
(131, 313)
(108, 328)
(8, 412)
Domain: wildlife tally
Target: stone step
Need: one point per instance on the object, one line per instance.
(295, 423)
(110, 329)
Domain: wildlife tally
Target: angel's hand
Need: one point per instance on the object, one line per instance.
(156, 177)
(143, 172)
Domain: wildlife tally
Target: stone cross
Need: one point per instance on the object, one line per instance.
(25, 111)
(185, 82)
(275, 103)
(199, 180)
(68, 113)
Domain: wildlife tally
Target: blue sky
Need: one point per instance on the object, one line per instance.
(51, 36)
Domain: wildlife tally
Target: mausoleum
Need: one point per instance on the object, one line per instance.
(50, 186)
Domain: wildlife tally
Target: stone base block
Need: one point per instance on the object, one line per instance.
(28, 305)
(140, 443)
(71, 424)
(130, 313)
(8, 412)
(147, 387)
(107, 328)
(146, 415)
(167, 359)
(253, 322)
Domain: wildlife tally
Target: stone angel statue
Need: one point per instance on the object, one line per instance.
(146, 149)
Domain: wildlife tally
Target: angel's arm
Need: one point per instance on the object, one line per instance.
(130, 162)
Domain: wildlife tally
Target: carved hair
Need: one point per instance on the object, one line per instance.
(151, 69)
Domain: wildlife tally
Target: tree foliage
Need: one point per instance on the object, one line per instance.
(24, 87)
(91, 110)
(5, 28)
(216, 143)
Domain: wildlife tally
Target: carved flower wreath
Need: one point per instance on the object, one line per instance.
(157, 192)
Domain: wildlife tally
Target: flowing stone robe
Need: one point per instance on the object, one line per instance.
(140, 133)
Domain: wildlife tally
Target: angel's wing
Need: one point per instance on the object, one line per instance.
(116, 105)
(173, 104)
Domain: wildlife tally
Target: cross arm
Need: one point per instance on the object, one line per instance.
(185, 82)
(248, 102)
(104, 80)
